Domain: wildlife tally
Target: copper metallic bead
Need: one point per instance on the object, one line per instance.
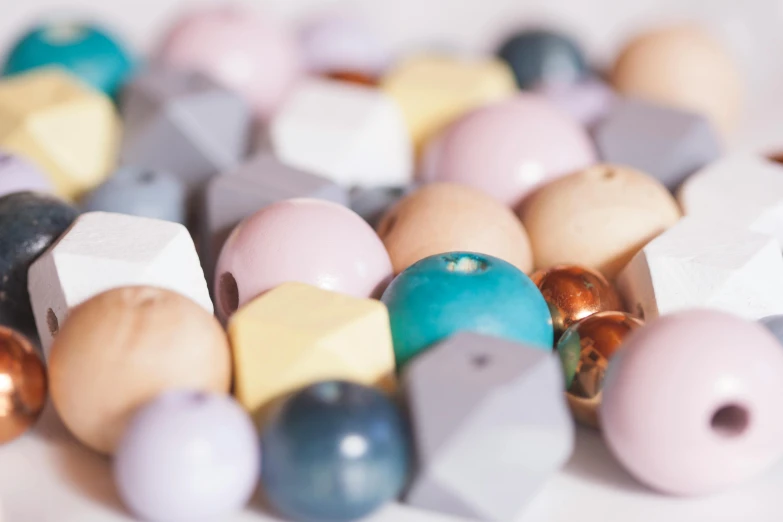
(585, 349)
(353, 77)
(22, 385)
(573, 293)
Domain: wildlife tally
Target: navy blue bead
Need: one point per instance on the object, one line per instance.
(539, 56)
(334, 451)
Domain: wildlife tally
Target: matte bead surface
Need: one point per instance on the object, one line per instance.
(715, 423)
(29, 223)
(338, 42)
(138, 191)
(510, 148)
(306, 240)
(490, 426)
(540, 56)
(124, 347)
(187, 456)
(351, 134)
(435, 90)
(587, 101)
(87, 51)
(334, 451)
(597, 218)
(700, 263)
(23, 394)
(372, 203)
(443, 217)
(19, 175)
(103, 250)
(239, 48)
(461, 291)
(666, 143)
(67, 129)
(774, 323)
(297, 334)
(183, 123)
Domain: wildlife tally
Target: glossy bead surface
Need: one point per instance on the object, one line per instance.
(306, 240)
(89, 52)
(587, 101)
(573, 293)
(462, 291)
(585, 350)
(510, 148)
(334, 451)
(338, 42)
(19, 175)
(187, 456)
(716, 421)
(124, 347)
(29, 223)
(540, 56)
(23, 394)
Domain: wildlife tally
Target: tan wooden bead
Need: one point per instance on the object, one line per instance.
(444, 217)
(597, 218)
(122, 348)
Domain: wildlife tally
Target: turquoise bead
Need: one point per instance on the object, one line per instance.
(464, 291)
(86, 51)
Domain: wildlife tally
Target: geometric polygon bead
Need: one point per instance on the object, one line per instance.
(297, 334)
(69, 130)
(490, 424)
(183, 123)
(351, 134)
(103, 250)
(666, 143)
(705, 263)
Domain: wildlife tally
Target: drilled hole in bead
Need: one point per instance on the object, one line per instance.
(609, 174)
(52, 322)
(64, 34)
(229, 293)
(480, 361)
(639, 311)
(730, 420)
(465, 264)
(387, 226)
(147, 176)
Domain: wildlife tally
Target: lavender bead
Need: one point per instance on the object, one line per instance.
(588, 101)
(19, 175)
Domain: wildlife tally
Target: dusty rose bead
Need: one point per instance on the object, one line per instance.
(19, 175)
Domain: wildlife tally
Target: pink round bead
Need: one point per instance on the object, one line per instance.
(691, 405)
(509, 148)
(338, 42)
(18, 175)
(587, 101)
(306, 240)
(239, 48)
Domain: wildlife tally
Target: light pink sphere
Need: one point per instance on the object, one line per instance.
(509, 148)
(239, 48)
(692, 404)
(306, 240)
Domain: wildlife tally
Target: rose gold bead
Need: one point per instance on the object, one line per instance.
(22, 385)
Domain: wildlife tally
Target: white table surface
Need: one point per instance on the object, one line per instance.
(47, 477)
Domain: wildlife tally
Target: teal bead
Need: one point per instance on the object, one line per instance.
(86, 51)
(541, 57)
(464, 291)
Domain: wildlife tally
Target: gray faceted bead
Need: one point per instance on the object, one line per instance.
(372, 202)
(666, 143)
(490, 424)
(774, 323)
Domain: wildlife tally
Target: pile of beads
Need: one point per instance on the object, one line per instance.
(350, 277)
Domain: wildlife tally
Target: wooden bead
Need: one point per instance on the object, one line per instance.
(597, 218)
(23, 389)
(298, 334)
(121, 349)
(443, 217)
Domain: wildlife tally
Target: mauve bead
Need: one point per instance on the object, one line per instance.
(19, 175)
(587, 101)
(187, 455)
(691, 404)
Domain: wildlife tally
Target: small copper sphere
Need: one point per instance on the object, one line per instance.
(573, 293)
(354, 77)
(22, 385)
(585, 349)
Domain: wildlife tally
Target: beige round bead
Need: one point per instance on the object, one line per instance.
(122, 348)
(597, 218)
(445, 217)
(683, 67)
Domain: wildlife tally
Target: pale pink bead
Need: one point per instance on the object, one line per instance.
(587, 101)
(246, 51)
(306, 240)
(509, 148)
(340, 42)
(692, 404)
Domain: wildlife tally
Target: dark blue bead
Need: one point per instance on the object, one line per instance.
(540, 57)
(334, 451)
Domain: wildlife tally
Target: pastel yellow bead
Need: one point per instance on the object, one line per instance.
(298, 334)
(433, 91)
(68, 128)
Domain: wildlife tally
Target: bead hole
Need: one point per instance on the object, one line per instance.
(147, 177)
(228, 293)
(480, 361)
(609, 174)
(730, 420)
(388, 225)
(465, 264)
(52, 322)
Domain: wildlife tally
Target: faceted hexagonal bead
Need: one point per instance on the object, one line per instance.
(490, 423)
(296, 334)
(103, 250)
(184, 123)
(666, 143)
(705, 263)
(66, 128)
(351, 134)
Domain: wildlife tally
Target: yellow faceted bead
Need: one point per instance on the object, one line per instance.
(433, 91)
(69, 129)
(298, 334)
